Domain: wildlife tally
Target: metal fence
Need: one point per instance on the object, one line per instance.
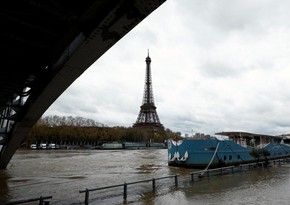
(232, 169)
(125, 186)
(42, 201)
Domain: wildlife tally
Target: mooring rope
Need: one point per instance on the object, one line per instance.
(212, 158)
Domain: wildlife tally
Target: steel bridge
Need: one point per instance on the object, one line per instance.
(45, 46)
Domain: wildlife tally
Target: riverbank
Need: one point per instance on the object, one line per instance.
(105, 145)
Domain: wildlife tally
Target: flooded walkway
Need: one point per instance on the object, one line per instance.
(62, 173)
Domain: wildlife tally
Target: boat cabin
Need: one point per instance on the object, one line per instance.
(253, 140)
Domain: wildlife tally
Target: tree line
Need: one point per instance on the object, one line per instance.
(79, 130)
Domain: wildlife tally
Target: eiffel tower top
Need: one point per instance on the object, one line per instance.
(148, 90)
(148, 59)
(148, 116)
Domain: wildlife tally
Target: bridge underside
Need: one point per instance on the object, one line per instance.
(45, 46)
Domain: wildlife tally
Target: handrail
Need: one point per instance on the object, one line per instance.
(128, 183)
(249, 165)
(125, 185)
(100, 188)
(40, 199)
(201, 173)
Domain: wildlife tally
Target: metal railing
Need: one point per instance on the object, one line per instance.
(42, 201)
(207, 172)
(125, 186)
(232, 169)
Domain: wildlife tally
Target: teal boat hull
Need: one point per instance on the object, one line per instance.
(218, 153)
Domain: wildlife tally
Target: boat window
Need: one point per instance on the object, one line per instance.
(239, 156)
(209, 148)
(225, 157)
(230, 158)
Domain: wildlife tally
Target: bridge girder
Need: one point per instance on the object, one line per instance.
(46, 46)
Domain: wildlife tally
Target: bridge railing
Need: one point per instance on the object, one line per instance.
(125, 186)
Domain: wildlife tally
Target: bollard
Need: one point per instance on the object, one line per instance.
(125, 192)
(192, 177)
(176, 180)
(40, 200)
(87, 197)
(154, 184)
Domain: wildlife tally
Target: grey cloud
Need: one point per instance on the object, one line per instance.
(216, 69)
(216, 66)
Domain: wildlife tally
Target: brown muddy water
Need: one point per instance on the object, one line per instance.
(62, 173)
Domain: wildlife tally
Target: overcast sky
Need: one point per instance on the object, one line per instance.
(216, 66)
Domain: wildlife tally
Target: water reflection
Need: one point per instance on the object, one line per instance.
(260, 186)
(4, 189)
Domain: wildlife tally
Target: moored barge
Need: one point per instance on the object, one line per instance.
(238, 148)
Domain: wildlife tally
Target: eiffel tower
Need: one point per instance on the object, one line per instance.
(148, 117)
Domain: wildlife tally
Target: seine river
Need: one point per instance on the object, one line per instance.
(62, 173)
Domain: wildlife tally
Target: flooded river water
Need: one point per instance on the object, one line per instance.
(62, 173)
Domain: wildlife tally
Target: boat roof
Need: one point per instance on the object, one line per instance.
(234, 134)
